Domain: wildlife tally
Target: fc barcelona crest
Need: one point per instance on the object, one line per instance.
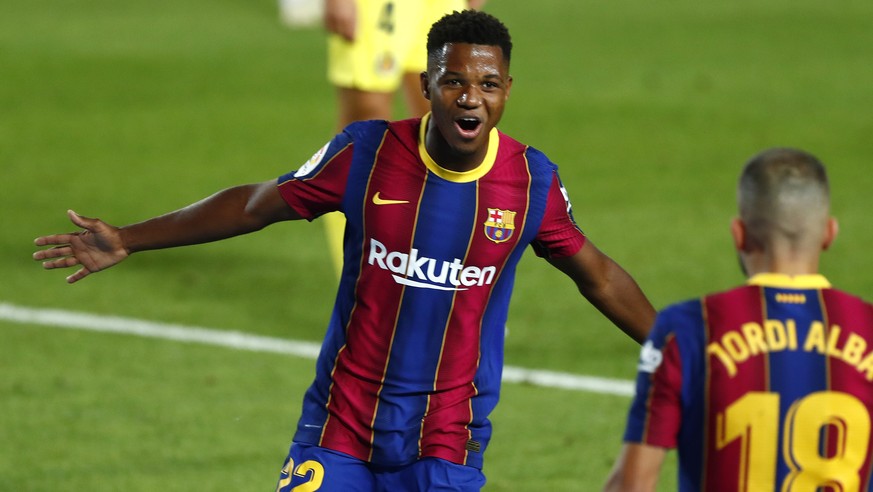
(499, 225)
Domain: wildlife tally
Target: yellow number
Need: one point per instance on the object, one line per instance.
(754, 420)
(314, 482)
(386, 19)
(311, 485)
(751, 419)
(849, 420)
(286, 470)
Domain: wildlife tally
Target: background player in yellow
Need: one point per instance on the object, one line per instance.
(375, 47)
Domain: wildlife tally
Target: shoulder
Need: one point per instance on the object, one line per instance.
(687, 319)
(856, 307)
(514, 155)
(363, 129)
(366, 136)
(688, 307)
(511, 148)
(538, 161)
(848, 297)
(693, 309)
(685, 315)
(678, 335)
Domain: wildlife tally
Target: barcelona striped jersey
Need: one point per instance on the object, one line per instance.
(411, 363)
(766, 387)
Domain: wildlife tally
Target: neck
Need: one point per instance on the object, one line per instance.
(449, 158)
(787, 264)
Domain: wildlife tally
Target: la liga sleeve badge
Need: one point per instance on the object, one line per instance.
(499, 225)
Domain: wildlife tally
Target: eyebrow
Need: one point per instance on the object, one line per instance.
(453, 73)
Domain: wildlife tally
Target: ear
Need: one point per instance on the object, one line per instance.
(425, 85)
(738, 232)
(831, 230)
(508, 87)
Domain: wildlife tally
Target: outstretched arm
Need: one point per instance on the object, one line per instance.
(231, 212)
(610, 289)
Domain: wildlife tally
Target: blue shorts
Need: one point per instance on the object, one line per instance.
(310, 468)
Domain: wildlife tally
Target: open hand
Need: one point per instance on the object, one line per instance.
(97, 247)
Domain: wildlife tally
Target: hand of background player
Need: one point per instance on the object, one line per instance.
(340, 17)
(97, 247)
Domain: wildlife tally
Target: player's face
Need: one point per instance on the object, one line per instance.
(468, 87)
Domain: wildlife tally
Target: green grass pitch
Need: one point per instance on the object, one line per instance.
(125, 110)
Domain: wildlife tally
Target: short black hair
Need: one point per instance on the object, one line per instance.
(469, 26)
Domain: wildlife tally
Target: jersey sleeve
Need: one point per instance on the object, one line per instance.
(319, 185)
(656, 412)
(559, 236)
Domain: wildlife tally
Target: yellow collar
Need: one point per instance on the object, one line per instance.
(458, 177)
(814, 281)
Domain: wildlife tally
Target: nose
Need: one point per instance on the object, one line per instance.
(469, 98)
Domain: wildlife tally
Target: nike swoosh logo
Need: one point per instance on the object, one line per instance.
(378, 200)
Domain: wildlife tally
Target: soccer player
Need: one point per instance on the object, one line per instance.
(439, 212)
(769, 386)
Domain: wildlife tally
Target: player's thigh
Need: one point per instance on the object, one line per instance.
(429, 475)
(431, 11)
(310, 468)
(373, 61)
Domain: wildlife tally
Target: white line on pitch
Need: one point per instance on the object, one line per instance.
(244, 341)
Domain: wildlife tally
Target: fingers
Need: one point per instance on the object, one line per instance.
(83, 222)
(59, 239)
(64, 262)
(56, 252)
(79, 275)
(54, 239)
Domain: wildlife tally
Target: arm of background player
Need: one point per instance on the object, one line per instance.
(340, 17)
(610, 289)
(636, 469)
(228, 213)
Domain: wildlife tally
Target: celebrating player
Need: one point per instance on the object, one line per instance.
(769, 386)
(439, 211)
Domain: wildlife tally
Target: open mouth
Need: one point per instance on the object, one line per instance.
(468, 126)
